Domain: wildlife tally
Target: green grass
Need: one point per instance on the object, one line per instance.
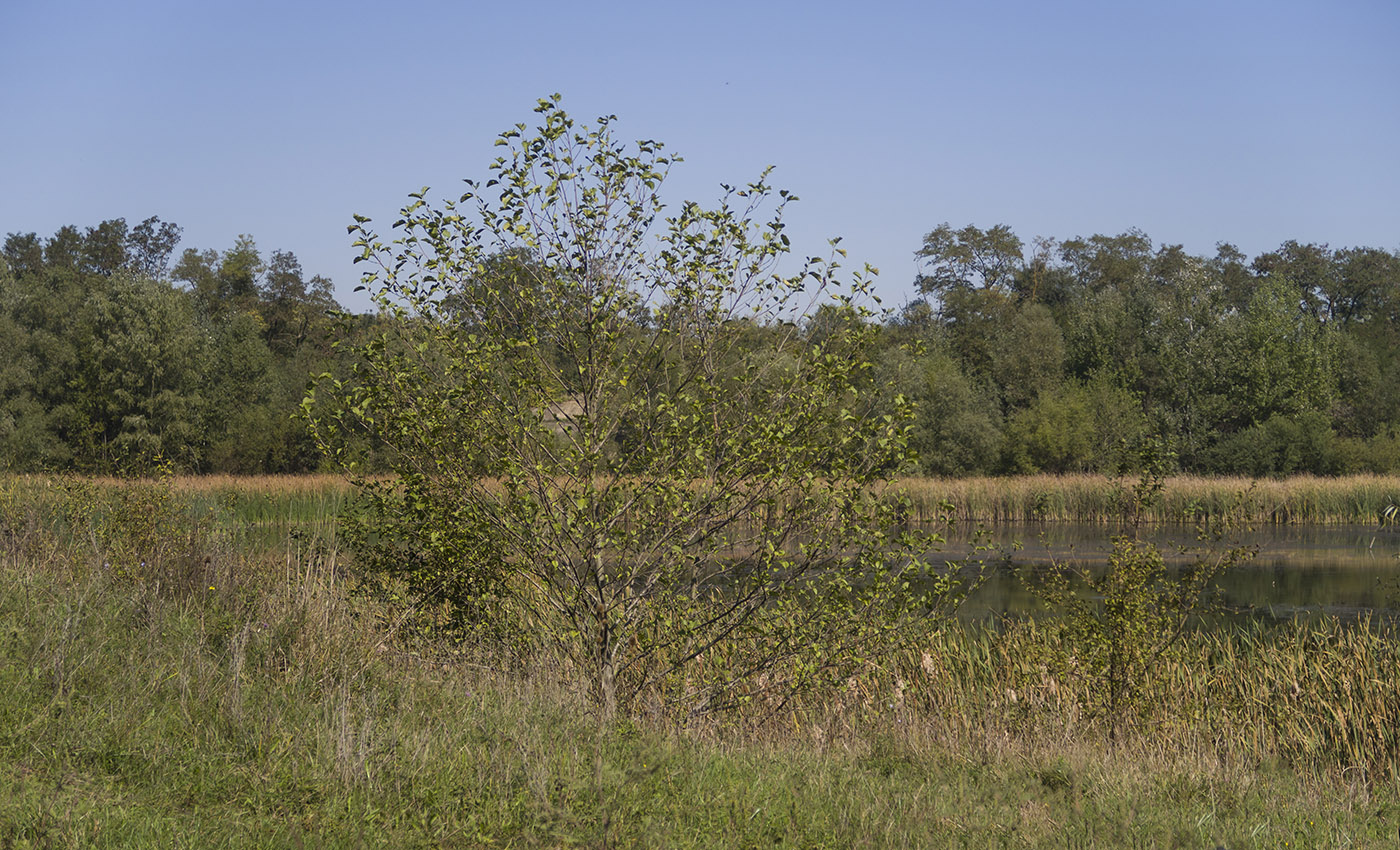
(209, 693)
(134, 720)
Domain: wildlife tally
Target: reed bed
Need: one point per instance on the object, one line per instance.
(1355, 499)
(1321, 696)
(290, 500)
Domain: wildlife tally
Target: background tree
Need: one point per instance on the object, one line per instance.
(138, 386)
(149, 247)
(107, 365)
(970, 258)
(1107, 262)
(957, 422)
(1028, 356)
(292, 307)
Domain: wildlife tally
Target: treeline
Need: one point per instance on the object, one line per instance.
(1054, 357)
(112, 360)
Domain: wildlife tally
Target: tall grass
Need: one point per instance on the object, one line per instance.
(211, 694)
(1322, 696)
(286, 501)
(1356, 499)
(266, 507)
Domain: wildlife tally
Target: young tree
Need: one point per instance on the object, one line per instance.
(1118, 626)
(611, 435)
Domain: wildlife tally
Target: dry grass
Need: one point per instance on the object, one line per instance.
(1355, 499)
(1322, 697)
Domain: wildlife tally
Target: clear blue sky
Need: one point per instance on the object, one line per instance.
(1198, 122)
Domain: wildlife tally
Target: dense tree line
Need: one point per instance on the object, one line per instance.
(112, 359)
(1055, 357)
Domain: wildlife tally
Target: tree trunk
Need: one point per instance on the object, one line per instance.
(605, 658)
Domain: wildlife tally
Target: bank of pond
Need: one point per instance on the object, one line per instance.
(1324, 545)
(1094, 499)
(1087, 499)
(1084, 498)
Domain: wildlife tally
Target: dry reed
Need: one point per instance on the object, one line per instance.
(1356, 499)
(1322, 696)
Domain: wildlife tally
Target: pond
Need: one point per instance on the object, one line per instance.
(1300, 570)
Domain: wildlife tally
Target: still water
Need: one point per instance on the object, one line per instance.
(1300, 570)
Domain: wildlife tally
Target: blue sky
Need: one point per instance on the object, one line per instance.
(1198, 122)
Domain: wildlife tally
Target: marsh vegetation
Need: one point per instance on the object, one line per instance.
(172, 674)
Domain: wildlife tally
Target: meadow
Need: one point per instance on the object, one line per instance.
(185, 663)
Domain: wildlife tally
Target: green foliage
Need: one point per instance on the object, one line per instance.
(139, 383)
(1279, 360)
(1118, 627)
(957, 425)
(1074, 427)
(1377, 455)
(1219, 354)
(1028, 356)
(107, 366)
(109, 356)
(968, 258)
(1102, 262)
(1281, 446)
(611, 437)
(1365, 391)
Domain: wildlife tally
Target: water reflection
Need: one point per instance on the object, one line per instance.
(1300, 570)
(1304, 570)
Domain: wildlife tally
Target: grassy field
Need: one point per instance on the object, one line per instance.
(164, 683)
(213, 719)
